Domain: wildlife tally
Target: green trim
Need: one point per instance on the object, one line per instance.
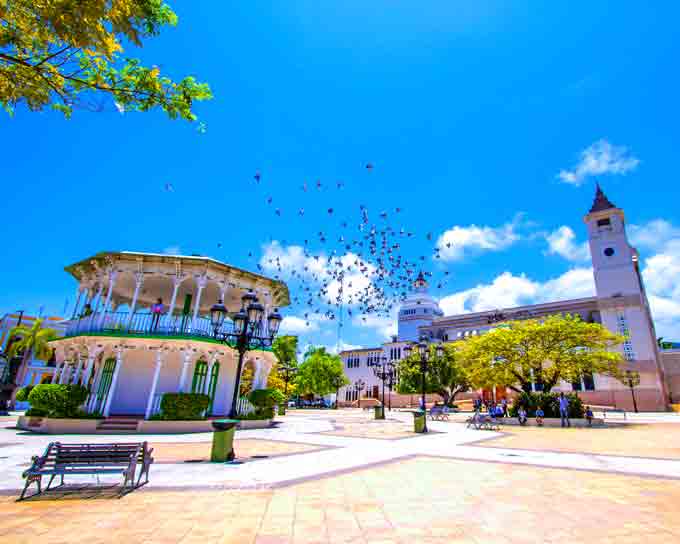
(115, 334)
(212, 384)
(200, 375)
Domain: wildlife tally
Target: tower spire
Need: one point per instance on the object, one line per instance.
(601, 202)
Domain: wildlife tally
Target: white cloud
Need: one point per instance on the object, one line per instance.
(561, 242)
(384, 325)
(508, 290)
(653, 235)
(600, 158)
(172, 250)
(344, 346)
(458, 242)
(294, 325)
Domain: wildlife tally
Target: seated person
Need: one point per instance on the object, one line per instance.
(499, 411)
(539, 416)
(589, 416)
(522, 416)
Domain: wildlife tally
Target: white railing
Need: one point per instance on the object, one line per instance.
(243, 407)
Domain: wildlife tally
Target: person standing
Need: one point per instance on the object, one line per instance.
(564, 410)
(156, 312)
(504, 405)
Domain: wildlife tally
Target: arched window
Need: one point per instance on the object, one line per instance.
(200, 374)
(212, 384)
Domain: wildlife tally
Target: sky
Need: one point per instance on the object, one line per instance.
(487, 124)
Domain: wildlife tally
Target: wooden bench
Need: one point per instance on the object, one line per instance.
(483, 422)
(79, 459)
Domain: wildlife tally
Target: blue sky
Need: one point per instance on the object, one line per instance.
(468, 110)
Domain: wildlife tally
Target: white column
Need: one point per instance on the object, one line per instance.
(114, 381)
(79, 366)
(98, 297)
(64, 368)
(91, 356)
(95, 387)
(112, 282)
(139, 280)
(211, 364)
(176, 282)
(201, 282)
(154, 383)
(57, 370)
(185, 371)
(79, 292)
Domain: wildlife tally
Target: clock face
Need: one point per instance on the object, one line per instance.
(609, 251)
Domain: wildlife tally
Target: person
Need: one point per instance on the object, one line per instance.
(500, 411)
(522, 416)
(504, 405)
(87, 310)
(589, 416)
(539, 416)
(564, 410)
(156, 312)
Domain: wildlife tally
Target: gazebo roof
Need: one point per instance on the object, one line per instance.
(164, 264)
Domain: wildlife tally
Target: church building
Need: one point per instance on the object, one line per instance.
(620, 304)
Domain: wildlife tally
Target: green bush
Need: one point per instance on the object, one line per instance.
(23, 392)
(34, 412)
(266, 398)
(184, 406)
(58, 400)
(549, 402)
(265, 413)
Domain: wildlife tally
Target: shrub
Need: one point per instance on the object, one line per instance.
(58, 400)
(265, 413)
(184, 406)
(549, 402)
(266, 398)
(34, 412)
(23, 392)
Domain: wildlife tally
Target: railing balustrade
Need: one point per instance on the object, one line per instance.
(145, 324)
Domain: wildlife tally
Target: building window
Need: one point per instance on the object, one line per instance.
(588, 382)
(623, 330)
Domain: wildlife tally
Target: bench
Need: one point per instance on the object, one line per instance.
(615, 411)
(80, 459)
(439, 413)
(483, 422)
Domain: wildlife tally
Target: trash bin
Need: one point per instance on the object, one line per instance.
(223, 440)
(419, 422)
(379, 412)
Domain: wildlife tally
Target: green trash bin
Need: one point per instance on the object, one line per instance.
(223, 440)
(379, 412)
(419, 422)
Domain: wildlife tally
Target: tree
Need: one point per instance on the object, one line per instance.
(282, 374)
(247, 378)
(559, 347)
(320, 373)
(631, 378)
(32, 342)
(58, 52)
(446, 376)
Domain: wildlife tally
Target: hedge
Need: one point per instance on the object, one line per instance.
(549, 402)
(184, 406)
(58, 400)
(23, 392)
(266, 398)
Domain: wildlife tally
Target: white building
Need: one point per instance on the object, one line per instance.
(620, 304)
(129, 358)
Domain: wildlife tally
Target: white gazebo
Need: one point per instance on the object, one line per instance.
(129, 357)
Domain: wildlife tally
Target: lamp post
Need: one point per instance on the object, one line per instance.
(383, 370)
(249, 332)
(423, 351)
(359, 386)
(286, 371)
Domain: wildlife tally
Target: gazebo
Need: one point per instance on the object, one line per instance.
(141, 328)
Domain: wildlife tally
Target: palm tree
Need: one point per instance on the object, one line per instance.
(33, 342)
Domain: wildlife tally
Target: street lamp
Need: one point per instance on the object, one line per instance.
(359, 386)
(423, 350)
(286, 370)
(248, 332)
(384, 371)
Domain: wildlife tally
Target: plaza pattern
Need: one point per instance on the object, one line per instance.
(444, 487)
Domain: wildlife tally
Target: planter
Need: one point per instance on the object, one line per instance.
(50, 425)
(174, 427)
(254, 424)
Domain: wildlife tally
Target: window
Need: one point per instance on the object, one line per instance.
(604, 222)
(623, 330)
(609, 251)
(200, 375)
(588, 382)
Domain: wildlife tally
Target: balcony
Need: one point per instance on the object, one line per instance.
(145, 325)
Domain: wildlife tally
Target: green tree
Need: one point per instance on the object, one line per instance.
(63, 53)
(446, 376)
(546, 351)
(320, 373)
(285, 350)
(33, 342)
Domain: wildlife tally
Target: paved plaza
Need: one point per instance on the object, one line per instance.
(332, 476)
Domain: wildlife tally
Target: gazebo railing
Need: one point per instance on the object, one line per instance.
(145, 324)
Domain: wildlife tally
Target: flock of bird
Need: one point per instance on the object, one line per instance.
(355, 267)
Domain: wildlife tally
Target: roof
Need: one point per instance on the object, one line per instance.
(601, 202)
